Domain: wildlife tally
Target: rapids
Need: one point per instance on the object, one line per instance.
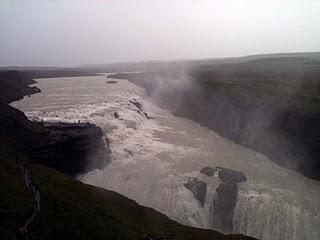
(153, 158)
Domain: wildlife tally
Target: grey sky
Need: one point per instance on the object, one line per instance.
(72, 32)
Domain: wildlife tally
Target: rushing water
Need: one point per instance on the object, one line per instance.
(153, 158)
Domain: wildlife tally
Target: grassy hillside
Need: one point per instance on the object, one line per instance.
(72, 210)
(15, 199)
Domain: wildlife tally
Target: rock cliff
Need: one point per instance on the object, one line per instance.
(70, 148)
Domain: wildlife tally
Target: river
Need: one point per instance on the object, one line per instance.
(153, 158)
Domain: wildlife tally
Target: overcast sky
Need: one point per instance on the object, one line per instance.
(72, 32)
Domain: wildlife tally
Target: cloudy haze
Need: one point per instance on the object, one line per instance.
(68, 33)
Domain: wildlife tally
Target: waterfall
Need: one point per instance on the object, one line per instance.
(152, 159)
(275, 215)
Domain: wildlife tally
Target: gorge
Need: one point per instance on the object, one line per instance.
(153, 159)
(58, 196)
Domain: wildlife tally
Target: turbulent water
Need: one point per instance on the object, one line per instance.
(153, 158)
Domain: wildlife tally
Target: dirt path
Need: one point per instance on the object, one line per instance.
(27, 174)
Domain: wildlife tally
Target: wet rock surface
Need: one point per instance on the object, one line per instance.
(224, 203)
(138, 105)
(198, 189)
(226, 175)
(225, 198)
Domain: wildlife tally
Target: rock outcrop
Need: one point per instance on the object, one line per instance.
(198, 189)
(224, 203)
(225, 198)
(72, 148)
(138, 105)
(226, 175)
(69, 148)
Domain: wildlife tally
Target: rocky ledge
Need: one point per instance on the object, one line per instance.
(225, 196)
(198, 189)
(67, 147)
(226, 175)
(72, 148)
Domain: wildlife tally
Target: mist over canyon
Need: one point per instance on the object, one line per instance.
(202, 145)
(160, 120)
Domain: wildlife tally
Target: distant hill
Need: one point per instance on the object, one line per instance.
(161, 65)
